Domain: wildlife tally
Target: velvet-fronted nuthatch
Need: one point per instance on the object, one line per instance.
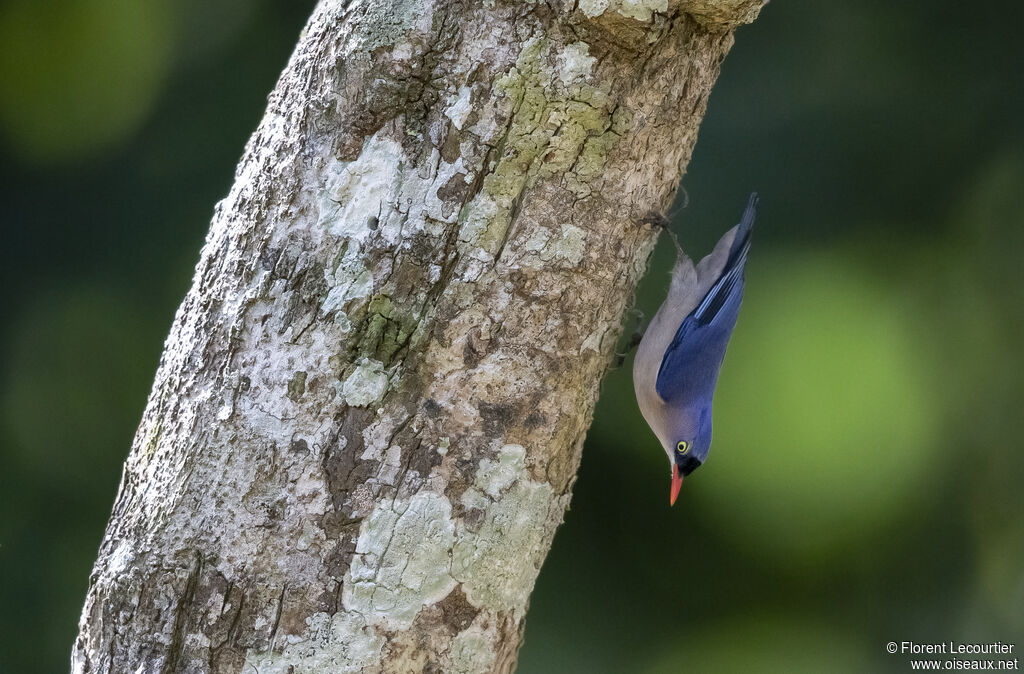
(677, 363)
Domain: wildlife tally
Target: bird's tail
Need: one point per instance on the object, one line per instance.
(741, 241)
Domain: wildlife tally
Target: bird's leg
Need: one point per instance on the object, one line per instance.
(660, 221)
(634, 338)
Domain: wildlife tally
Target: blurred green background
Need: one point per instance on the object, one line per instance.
(866, 479)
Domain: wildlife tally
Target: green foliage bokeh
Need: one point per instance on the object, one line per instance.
(827, 429)
(78, 75)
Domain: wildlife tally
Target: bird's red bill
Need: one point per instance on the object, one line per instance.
(677, 482)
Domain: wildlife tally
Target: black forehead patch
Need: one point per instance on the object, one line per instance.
(687, 464)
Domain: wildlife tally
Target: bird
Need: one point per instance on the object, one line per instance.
(681, 352)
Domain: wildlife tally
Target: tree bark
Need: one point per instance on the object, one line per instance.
(369, 412)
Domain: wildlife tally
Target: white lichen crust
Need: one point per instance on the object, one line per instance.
(368, 415)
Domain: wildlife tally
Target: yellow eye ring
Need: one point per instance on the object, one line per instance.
(683, 447)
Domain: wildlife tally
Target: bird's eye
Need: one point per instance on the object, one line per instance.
(683, 447)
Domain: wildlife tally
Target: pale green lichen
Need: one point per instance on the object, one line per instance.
(342, 321)
(407, 555)
(575, 62)
(592, 342)
(593, 8)
(343, 643)
(377, 438)
(307, 536)
(477, 226)
(355, 192)
(366, 384)
(474, 499)
(568, 244)
(640, 10)
(349, 280)
(513, 529)
(556, 115)
(401, 560)
(472, 650)
(459, 110)
(494, 476)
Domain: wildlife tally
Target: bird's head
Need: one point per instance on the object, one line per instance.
(688, 445)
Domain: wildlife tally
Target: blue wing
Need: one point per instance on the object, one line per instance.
(689, 368)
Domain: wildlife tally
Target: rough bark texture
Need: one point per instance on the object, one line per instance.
(369, 412)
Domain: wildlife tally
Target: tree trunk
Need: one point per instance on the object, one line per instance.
(369, 412)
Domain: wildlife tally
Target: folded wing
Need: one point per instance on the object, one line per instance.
(691, 362)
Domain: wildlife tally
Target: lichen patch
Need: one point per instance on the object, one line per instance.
(351, 280)
(512, 529)
(342, 643)
(366, 384)
(593, 8)
(575, 62)
(356, 192)
(568, 244)
(494, 476)
(472, 650)
(459, 110)
(641, 10)
(401, 561)
(408, 556)
(638, 10)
